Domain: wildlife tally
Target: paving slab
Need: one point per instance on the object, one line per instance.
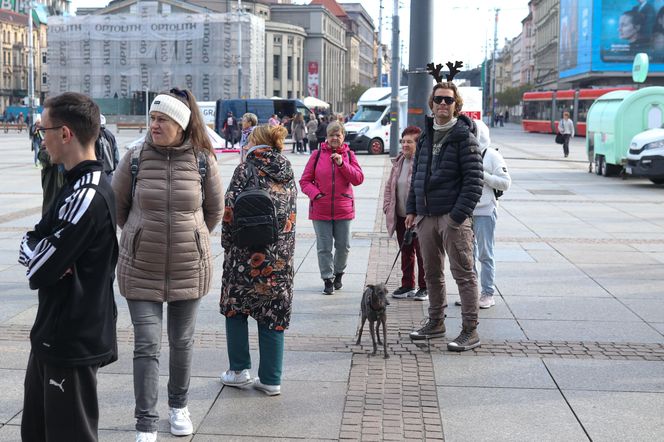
(570, 309)
(622, 416)
(647, 309)
(311, 409)
(14, 355)
(485, 371)
(331, 325)
(511, 414)
(629, 287)
(600, 331)
(11, 386)
(10, 433)
(607, 375)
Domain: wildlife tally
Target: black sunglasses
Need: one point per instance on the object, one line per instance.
(439, 99)
(179, 93)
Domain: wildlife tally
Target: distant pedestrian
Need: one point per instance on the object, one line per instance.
(274, 120)
(20, 121)
(312, 126)
(249, 122)
(230, 129)
(321, 130)
(258, 281)
(36, 140)
(485, 215)
(70, 256)
(507, 116)
(106, 148)
(566, 128)
(166, 210)
(328, 180)
(299, 131)
(394, 208)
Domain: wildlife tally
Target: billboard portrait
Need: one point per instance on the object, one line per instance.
(627, 27)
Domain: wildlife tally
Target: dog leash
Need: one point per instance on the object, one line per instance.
(407, 240)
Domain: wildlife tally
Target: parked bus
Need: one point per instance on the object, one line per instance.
(543, 110)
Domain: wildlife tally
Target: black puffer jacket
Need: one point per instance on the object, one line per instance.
(454, 183)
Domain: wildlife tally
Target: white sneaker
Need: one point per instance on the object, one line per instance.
(487, 301)
(270, 390)
(146, 437)
(180, 421)
(236, 378)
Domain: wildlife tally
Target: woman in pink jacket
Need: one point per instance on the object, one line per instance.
(394, 208)
(328, 181)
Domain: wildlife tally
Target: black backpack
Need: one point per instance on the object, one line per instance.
(497, 193)
(105, 150)
(255, 223)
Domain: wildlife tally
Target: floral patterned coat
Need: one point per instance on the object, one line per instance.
(259, 283)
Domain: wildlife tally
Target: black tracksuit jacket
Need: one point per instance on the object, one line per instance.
(71, 256)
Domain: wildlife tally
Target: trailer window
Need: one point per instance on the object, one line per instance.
(368, 114)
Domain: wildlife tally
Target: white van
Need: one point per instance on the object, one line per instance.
(369, 129)
(646, 155)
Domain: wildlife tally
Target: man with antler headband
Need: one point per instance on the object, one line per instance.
(446, 186)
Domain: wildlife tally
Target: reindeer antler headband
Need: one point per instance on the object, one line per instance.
(434, 71)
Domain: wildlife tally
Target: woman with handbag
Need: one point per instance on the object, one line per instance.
(566, 129)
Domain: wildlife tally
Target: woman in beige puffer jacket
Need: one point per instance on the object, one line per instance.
(165, 249)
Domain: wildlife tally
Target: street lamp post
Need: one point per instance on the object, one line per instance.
(239, 49)
(31, 65)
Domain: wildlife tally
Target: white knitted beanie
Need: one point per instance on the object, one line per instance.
(172, 107)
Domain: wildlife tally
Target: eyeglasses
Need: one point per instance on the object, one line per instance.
(438, 99)
(42, 130)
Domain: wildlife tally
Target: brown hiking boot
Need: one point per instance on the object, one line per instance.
(467, 340)
(434, 328)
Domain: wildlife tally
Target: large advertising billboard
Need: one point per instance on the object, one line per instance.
(605, 35)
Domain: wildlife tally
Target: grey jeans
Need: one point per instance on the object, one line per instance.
(147, 320)
(328, 234)
(438, 235)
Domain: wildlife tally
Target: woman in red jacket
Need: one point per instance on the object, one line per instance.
(328, 181)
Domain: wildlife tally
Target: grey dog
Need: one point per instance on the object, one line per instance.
(374, 303)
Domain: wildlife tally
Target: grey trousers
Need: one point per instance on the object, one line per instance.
(438, 235)
(147, 320)
(331, 234)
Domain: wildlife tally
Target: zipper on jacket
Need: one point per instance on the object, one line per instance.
(168, 227)
(332, 206)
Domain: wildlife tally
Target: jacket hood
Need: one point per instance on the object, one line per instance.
(483, 137)
(272, 163)
(325, 146)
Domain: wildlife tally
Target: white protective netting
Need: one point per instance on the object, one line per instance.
(101, 55)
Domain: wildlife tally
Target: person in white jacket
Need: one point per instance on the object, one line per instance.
(485, 214)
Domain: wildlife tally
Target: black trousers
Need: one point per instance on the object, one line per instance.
(60, 403)
(566, 143)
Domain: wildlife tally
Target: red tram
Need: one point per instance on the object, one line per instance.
(543, 110)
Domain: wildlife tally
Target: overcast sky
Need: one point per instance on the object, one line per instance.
(464, 28)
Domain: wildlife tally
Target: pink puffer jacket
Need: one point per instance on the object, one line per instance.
(335, 183)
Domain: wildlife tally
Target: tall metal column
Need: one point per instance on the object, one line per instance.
(239, 49)
(394, 113)
(31, 66)
(493, 71)
(421, 53)
(379, 82)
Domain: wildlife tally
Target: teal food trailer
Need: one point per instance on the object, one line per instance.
(614, 119)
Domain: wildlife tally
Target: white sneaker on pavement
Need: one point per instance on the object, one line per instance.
(180, 421)
(236, 378)
(487, 301)
(270, 390)
(146, 437)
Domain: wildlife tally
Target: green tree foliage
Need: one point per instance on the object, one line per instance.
(354, 92)
(512, 96)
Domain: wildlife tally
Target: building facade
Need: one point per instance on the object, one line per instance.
(284, 60)
(527, 48)
(545, 54)
(14, 63)
(324, 49)
(364, 30)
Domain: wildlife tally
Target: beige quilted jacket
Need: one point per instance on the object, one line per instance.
(165, 244)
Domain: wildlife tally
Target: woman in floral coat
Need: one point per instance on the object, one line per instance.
(260, 283)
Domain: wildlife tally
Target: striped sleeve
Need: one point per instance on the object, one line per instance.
(49, 257)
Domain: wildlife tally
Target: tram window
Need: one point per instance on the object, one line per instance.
(564, 106)
(537, 110)
(584, 105)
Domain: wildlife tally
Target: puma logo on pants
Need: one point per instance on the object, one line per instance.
(59, 385)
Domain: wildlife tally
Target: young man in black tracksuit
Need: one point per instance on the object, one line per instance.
(70, 256)
(446, 185)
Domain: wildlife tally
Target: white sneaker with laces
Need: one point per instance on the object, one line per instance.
(146, 437)
(180, 421)
(487, 301)
(236, 378)
(270, 390)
